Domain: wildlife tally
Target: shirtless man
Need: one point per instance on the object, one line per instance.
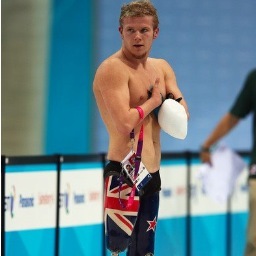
(128, 87)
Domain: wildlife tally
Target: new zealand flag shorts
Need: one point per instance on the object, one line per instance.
(130, 227)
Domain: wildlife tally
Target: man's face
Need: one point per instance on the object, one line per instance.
(137, 34)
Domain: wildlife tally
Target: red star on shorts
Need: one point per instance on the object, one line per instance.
(152, 224)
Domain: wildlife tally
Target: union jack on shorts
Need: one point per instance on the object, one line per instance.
(120, 217)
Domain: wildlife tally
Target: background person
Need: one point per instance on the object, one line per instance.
(244, 104)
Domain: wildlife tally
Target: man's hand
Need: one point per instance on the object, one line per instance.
(205, 155)
(156, 94)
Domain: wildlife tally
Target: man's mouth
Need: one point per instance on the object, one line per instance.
(138, 45)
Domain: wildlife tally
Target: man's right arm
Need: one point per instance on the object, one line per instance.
(112, 80)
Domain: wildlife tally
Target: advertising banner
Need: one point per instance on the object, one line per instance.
(81, 208)
(30, 209)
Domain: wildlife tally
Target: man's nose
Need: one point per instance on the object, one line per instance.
(137, 35)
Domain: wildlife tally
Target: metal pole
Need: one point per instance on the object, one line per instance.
(3, 163)
(57, 229)
(188, 219)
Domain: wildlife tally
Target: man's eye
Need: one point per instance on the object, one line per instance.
(144, 30)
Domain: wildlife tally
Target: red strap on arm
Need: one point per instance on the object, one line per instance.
(141, 112)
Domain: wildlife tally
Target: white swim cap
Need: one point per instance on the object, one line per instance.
(173, 119)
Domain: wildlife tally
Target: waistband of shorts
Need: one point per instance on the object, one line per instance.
(154, 185)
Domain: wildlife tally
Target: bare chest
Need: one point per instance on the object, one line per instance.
(140, 84)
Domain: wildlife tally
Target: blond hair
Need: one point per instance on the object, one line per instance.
(139, 8)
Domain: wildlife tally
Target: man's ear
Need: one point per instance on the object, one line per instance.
(121, 31)
(156, 32)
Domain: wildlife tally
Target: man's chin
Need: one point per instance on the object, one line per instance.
(139, 56)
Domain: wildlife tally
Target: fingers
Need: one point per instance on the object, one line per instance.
(206, 158)
(153, 89)
(156, 85)
(157, 82)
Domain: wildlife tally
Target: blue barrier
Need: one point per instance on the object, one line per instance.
(53, 205)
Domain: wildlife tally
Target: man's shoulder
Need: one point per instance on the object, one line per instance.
(162, 64)
(111, 69)
(158, 60)
(250, 82)
(113, 62)
(252, 75)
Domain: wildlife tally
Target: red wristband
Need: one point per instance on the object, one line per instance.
(141, 112)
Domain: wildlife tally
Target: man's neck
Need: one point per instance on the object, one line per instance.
(132, 59)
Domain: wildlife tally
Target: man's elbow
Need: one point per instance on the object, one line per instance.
(124, 128)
